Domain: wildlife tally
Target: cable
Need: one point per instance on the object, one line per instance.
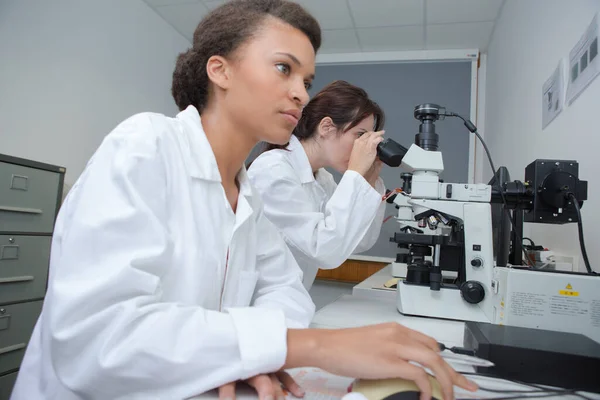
(542, 390)
(528, 396)
(539, 388)
(456, 350)
(472, 128)
(580, 228)
(530, 241)
(390, 193)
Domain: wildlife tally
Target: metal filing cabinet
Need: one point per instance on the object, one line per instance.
(30, 195)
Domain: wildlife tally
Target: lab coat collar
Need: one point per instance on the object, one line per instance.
(201, 161)
(300, 160)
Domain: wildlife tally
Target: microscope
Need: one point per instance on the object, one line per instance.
(442, 226)
(463, 264)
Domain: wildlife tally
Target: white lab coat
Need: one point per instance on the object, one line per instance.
(152, 275)
(323, 222)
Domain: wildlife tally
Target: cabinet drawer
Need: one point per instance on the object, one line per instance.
(28, 198)
(23, 267)
(7, 382)
(16, 325)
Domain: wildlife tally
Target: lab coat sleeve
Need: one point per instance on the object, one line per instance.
(375, 228)
(327, 238)
(111, 336)
(279, 285)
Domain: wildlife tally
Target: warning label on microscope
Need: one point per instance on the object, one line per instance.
(568, 291)
(549, 301)
(527, 304)
(560, 305)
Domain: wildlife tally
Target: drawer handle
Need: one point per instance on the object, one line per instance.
(14, 279)
(19, 182)
(14, 347)
(9, 251)
(21, 210)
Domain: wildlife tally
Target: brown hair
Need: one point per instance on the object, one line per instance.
(223, 31)
(341, 101)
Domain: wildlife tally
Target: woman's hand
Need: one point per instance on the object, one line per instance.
(375, 352)
(268, 387)
(364, 152)
(373, 172)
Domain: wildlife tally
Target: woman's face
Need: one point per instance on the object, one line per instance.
(270, 75)
(338, 147)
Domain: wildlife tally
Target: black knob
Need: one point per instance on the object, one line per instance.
(472, 292)
(476, 262)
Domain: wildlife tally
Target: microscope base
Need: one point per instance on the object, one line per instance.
(446, 303)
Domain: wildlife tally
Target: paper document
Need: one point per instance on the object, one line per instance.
(584, 63)
(318, 385)
(552, 95)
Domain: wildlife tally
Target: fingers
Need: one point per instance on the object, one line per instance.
(290, 384)
(432, 360)
(371, 135)
(375, 138)
(227, 392)
(264, 387)
(460, 380)
(279, 395)
(417, 375)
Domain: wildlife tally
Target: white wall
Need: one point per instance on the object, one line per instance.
(528, 41)
(71, 70)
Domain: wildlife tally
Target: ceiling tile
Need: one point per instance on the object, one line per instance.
(393, 38)
(445, 12)
(331, 14)
(386, 12)
(183, 17)
(459, 36)
(155, 3)
(339, 41)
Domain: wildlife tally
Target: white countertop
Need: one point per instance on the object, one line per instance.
(350, 311)
(369, 305)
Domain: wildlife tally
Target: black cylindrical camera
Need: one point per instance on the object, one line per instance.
(428, 113)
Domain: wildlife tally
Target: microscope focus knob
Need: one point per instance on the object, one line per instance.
(476, 262)
(472, 292)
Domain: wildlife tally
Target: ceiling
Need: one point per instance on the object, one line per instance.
(351, 26)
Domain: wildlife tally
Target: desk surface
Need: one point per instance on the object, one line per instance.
(350, 311)
(367, 306)
(353, 311)
(372, 287)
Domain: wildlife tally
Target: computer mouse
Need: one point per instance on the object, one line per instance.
(393, 389)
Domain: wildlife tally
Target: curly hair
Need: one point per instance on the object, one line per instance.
(223, 31)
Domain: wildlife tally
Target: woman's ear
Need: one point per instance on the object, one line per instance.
(218, 70)
(326, 128)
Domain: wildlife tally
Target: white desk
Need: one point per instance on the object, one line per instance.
(367, 306)
(351, 311)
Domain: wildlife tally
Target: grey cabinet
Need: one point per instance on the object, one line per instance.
(30, 195)
(6, 384)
